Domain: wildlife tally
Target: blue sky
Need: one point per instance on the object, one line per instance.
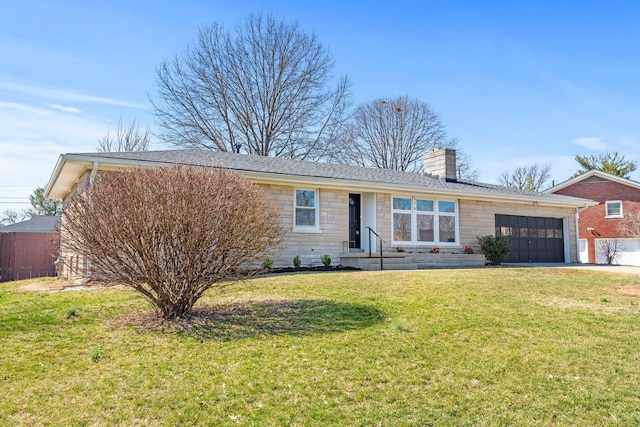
(517, 82)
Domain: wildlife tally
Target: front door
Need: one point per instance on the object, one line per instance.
(354, 221)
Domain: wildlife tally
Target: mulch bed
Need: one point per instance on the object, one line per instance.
(309, 269)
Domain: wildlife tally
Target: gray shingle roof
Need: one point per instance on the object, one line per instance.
(293, 168)
(37, 224)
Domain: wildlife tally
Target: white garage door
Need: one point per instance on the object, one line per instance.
(627, 251)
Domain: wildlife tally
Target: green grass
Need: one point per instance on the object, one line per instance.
(479, 347)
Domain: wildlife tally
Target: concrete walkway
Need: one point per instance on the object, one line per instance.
(624, 269)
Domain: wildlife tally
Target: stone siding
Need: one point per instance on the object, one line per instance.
(311, 245)
(383, 219)
(477, 218)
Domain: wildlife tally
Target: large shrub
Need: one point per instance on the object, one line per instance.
(170, 233)
(494, 248)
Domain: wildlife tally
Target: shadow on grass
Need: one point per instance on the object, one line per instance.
(265, 318)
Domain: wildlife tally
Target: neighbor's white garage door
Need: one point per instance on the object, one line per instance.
(628, 252)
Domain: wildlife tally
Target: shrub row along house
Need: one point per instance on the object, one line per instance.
(600, 229)
(346, 211)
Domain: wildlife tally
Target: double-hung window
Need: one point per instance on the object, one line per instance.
(613, 209)
(305, 217)
(422, 221)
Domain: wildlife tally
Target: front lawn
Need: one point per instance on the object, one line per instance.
(508, 346)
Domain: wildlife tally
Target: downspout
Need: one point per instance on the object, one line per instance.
(577, 215)
(92, 177)
(94, 171)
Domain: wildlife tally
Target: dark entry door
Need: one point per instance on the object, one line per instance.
(354, 221)
(532, 239)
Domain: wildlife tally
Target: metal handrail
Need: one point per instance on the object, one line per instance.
(381, 240)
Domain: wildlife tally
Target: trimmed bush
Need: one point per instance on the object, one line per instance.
(494, 248)
(325, 260)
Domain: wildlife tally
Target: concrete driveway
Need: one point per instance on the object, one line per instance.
(625, 269)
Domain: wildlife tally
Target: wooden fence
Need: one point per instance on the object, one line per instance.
(26, 255)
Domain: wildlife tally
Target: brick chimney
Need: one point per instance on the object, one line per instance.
(441, 163)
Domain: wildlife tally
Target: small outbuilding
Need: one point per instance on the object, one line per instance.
(27, 249)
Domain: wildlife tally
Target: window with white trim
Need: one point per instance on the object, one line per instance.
(305, 215)
(613, 209)
(421, 221)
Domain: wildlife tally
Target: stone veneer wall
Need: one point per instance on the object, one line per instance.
(383, 219)
(310, 246)
(476, 218)
(70, 264)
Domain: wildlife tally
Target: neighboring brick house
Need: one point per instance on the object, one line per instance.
(330, 208)
(598, 226)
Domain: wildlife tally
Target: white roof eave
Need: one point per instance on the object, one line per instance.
(588, 174)
(70, 168)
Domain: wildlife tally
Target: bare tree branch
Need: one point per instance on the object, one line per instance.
(12, 216)
(532, 177)
(608, 248)
(392, 133)
(395, 133)
(170, 233)
(629, 226)
(263, 87)
(464, 163)
(125, 139)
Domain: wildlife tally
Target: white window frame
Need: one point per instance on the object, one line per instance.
(606, 209)
(316, 198)
(409, 212)
(446, 214)
(436, 221)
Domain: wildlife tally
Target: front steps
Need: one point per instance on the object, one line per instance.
(411, 261)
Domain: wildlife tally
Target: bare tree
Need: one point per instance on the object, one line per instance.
(12, 216)
(263, 88)
(464, 163)
(173, 233)
(125, 139)
(608, 248)
(392, 133)
(532, 177)
(629, 226)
